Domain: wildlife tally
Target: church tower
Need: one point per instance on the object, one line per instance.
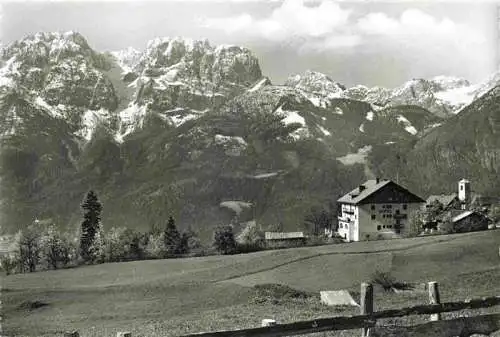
(464, 193)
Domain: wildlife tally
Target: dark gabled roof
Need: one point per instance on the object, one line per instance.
(369, 187)
(445, 199)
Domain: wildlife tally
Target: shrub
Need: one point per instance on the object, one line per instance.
(318, 240)
(116, 248)
(10, 264)
(224, 240)
(155, 247)
(277, 293)
(251, 239)
(55, 248)
(387, 281)
(244, 248)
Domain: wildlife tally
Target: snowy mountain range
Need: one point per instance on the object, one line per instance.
(184, 126)
(180, 79)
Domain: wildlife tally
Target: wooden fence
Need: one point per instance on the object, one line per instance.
(367, 320)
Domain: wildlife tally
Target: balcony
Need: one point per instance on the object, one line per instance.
(345, 219)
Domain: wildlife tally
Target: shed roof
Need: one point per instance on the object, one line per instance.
(283, 235)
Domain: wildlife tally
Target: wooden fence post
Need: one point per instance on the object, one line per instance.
(366, 304)
(434, 299)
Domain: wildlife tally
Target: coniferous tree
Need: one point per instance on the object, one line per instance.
(172, 238)
(90, 226)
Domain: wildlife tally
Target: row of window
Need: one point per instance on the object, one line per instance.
(374, 216)
(405, 206)
(379, 227)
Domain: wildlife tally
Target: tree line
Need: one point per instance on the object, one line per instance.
(42, 246)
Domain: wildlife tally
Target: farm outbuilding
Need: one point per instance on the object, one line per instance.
(284, 239)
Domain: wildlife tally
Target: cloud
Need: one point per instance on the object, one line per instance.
(328, 26)
(417, 28)
(293, 22)
(1, 22)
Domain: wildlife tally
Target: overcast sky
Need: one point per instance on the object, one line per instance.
(371, 43)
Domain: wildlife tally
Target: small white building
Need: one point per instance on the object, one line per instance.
(377, 209)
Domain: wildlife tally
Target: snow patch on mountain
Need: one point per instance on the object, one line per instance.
(130, 118)
(294, 117)
(8, 71)
(407, 125)
(458, 97)
(90, 120)
(317, 101)
(54, 111)
(265, 175)
(178, 120)
(324, 131)
(127, 59)
(235, 205)
(369, 116)
(356, 158)
(262, 83)
(221, 139)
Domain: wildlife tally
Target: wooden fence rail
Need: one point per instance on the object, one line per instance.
(367, 321)
(363, 321)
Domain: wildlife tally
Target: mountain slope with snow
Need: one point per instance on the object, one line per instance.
(183, 127)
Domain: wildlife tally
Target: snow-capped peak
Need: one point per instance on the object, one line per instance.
(316, 82)
(127, 58)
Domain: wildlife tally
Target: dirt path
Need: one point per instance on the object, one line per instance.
(304, 258)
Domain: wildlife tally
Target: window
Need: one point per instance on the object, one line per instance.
(346, 226)
(461, 187)
(341, 225)
(378, 227)
(389, 215)
(373, 207)
(405, 206)
(373, 216)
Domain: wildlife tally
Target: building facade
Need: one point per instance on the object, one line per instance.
(377, 209)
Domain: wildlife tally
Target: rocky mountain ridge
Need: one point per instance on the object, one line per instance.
(185, 128)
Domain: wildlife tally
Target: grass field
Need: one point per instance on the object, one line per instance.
(174, 297)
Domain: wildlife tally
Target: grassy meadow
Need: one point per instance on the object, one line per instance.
(179, 296)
